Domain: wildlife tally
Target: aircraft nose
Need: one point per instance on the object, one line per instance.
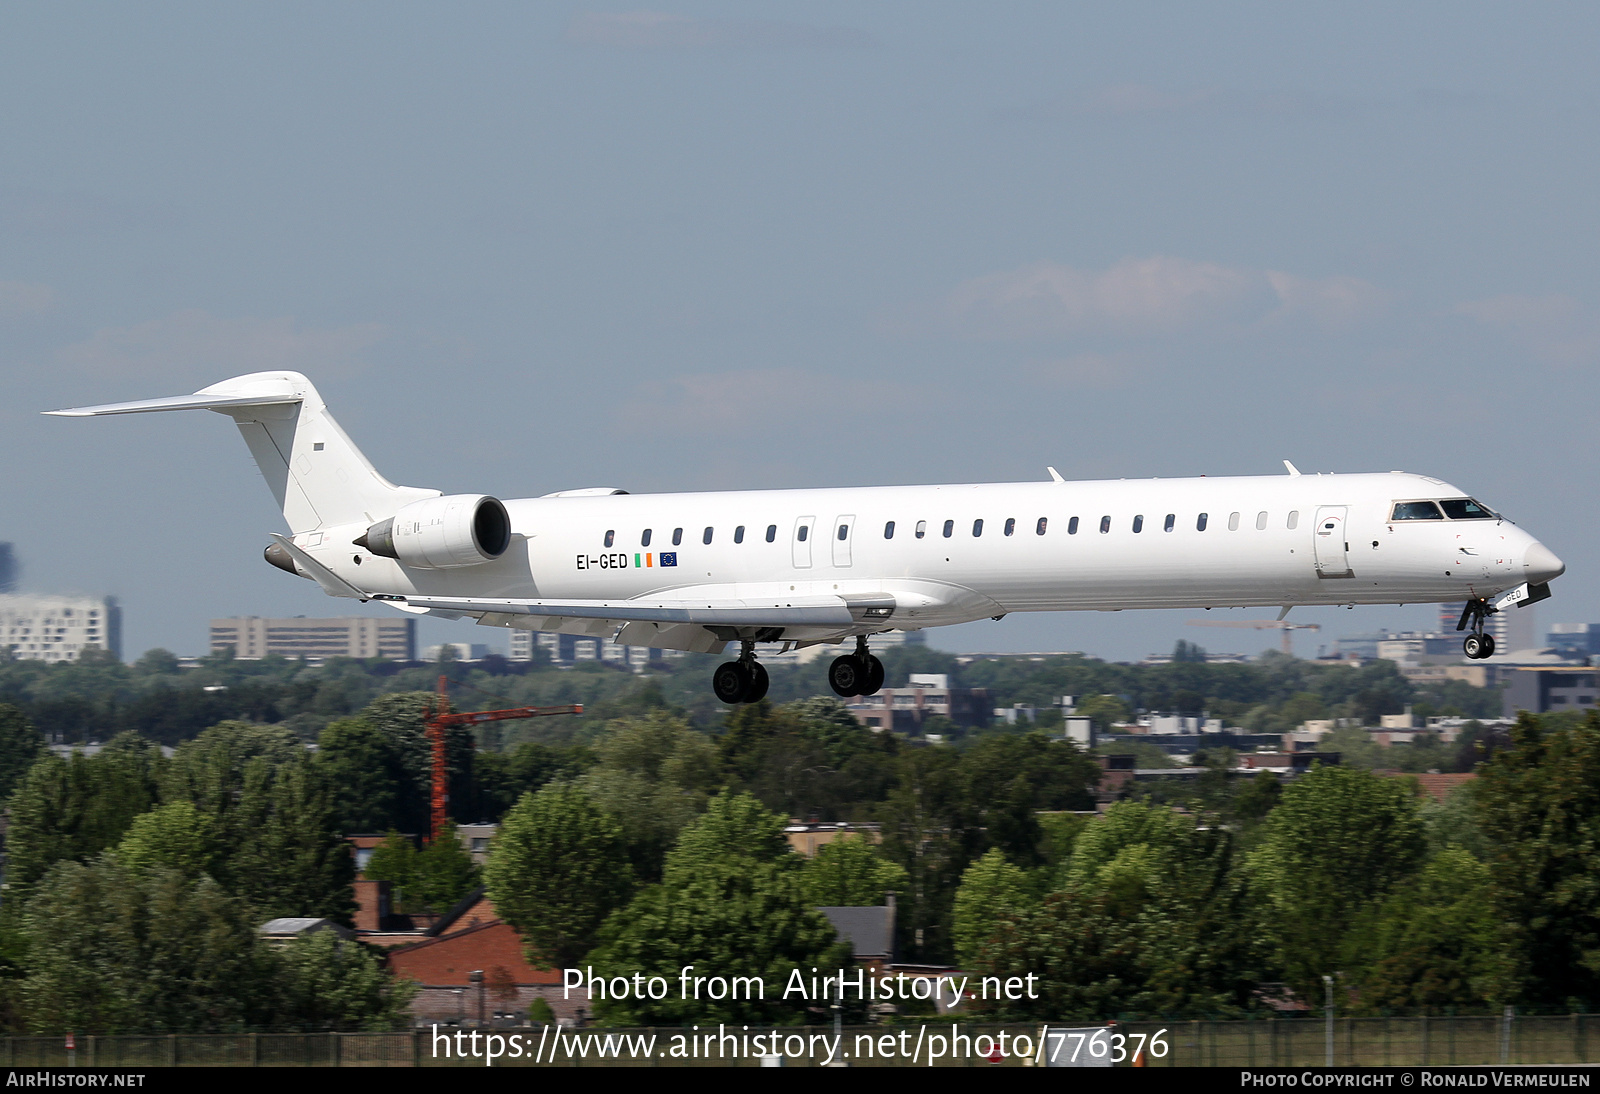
(1540, 564)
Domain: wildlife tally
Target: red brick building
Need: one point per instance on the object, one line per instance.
(472, 938)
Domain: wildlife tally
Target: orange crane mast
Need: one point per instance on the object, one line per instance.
(438, 718)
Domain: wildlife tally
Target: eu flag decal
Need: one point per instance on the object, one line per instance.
(667, 558)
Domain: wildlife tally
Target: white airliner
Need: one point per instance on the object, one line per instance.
(800, 567)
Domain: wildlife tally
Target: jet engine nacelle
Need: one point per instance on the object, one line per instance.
(444, 532)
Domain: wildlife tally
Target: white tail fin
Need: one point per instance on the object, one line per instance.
(318, 475)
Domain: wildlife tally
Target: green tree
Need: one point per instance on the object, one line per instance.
(72, 809)
(20, 746)
(1341, 839)
(1104, 711)
(176, 837)
(289, 858)
(119, 951)
(1433, 943)
(327, 982)
(444, 872)
(653, 774)
(557, 868)
(734, 827)
(1539, 811)
(372, 789)
(991, 889)
(850, 872)
(1162, 928)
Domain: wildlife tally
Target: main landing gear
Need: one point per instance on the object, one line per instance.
(1477, 645)
(857, 673)
(741, 681)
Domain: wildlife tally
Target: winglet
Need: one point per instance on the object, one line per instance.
(331, 583)
(1055, 475)
(1293, 470)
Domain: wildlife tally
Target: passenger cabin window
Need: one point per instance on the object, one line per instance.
(1200, 522)
(706, 539)
(1011, 526)
(801, 533)
(1261, 521)
(844, 532)
(977, 528)
(738, 534)
(1039, 528)
(677, 536)
(922, 528)
(1294, 519)
(1466, 509)
(1105, 525)
(1138, 523)
(1233, 522)
(1416, 510)
(644, 538)
(888, 530)
(1072, 526)
(772, 533)
(1172, 519)
(611, 536)
(949, 528)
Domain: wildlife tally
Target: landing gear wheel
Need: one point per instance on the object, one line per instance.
(730, 682)
(1473, 646)
(846, 676)
(757, 690)
(874, 683)
(1488, 646)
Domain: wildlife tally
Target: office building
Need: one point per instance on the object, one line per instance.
(1541, 690)
(1579, 641)
(59, 628)
(252, 637)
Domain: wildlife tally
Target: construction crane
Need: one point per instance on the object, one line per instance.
(438, 718)
(1261, 625)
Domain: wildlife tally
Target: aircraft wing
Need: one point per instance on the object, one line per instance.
(811, 611)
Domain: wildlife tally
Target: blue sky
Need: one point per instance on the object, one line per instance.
(523, 248)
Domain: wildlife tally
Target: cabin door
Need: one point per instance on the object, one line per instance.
(1328, 543)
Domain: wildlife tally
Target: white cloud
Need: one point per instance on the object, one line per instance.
(660, 30)
(187, 341)
(21, 298)
(1556, 328)
(1145, 296)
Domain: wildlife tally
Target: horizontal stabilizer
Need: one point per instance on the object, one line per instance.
(174, 402)
(819, 611)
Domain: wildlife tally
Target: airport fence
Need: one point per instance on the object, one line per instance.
(1299, 1043)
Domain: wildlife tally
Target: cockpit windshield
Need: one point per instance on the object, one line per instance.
(1466, 509)
(1453, 508)
(1416, 510)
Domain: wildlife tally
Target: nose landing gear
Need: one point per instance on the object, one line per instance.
(741, 681)
(1477, 645)
(857, 673)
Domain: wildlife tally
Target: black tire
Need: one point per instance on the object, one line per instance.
(758, 684)
(874, 682)
(845, 676)
(1488, 646)
(730, 682)
(1472, 646)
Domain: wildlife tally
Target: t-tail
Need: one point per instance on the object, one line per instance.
(319, 477)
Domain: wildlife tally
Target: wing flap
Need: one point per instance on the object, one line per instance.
(793, 612)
